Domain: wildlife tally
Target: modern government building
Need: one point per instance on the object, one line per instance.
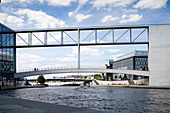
(6, 57)
(136, 60)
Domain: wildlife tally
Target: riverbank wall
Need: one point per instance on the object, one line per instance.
(16, 105)
(122, 82)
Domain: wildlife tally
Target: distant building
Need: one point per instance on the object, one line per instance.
(136, 60)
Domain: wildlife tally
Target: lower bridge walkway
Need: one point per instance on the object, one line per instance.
(81, 70)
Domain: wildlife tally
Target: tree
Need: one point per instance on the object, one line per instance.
(41, 79)
(115, 76)
(146, 67)
(103, 77)
(120, 76)
(111, 77)
(125, 76)
(96, 76)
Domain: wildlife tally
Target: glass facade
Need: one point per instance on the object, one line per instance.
(131, 63)
(124, 64)
(6, 57)
(140, 62)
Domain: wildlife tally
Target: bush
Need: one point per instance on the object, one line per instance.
(125, 76)
(41, 79)
(97, 76)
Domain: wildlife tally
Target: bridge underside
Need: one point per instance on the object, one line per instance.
(57, 71)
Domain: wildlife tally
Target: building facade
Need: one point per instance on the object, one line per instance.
(7, 58)
(136, 60)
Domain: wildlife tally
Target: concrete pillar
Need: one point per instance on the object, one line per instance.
(159, 55)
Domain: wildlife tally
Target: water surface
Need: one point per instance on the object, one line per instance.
(113, 99)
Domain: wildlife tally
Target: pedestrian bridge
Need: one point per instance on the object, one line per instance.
(81, 70)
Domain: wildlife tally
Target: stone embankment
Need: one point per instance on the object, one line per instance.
(16, 105)
(122, 82)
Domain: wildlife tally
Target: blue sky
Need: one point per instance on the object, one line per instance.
(38, 14)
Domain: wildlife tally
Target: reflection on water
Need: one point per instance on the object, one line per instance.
(113, 99)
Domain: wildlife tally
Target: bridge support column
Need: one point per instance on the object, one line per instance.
(159, 54)
(78, 65)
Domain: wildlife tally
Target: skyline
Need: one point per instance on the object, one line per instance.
(38, 14)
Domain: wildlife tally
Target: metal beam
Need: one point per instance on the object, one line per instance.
(75, 29)
(83, 44)
(14, 58)
(54, 38)
(30, 38)
(122, 35)
(78, 49)
(45, 38)
(22, 39)
(105, 35)
(38, 39)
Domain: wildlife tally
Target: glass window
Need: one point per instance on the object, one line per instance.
(6, 54)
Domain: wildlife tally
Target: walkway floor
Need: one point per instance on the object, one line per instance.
(15, 105)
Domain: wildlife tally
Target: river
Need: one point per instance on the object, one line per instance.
(112, 99)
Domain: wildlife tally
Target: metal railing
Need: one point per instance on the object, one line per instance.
(60, 68)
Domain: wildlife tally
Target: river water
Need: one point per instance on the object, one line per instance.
(112, 99)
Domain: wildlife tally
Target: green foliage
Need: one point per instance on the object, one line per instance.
(125, 76)
(85, 77)
(96, 76)
(120, 76)
(146, 66)
(41, 79)
(103, 77)
(111, 77)
(115, 76)
(107, 77)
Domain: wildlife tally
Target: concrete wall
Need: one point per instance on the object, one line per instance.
(122, 82)
(159, 54)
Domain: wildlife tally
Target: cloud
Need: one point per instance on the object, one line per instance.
(20, 1)
(28, 61)
(58, 2)
(83, 1)
(13, 20)
(113, 50)
(110, 3)
(49, 2)
(70, 14)
(30, 57)
(109, 18)
(115, 56)
(130, 18)
(70, 55)
(66, 59)
(150, 4)
(40, 19)
(88, 51)
(130, 10)
(81, 17)
(3, 17)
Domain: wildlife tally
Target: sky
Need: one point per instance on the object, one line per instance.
(43, 14)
